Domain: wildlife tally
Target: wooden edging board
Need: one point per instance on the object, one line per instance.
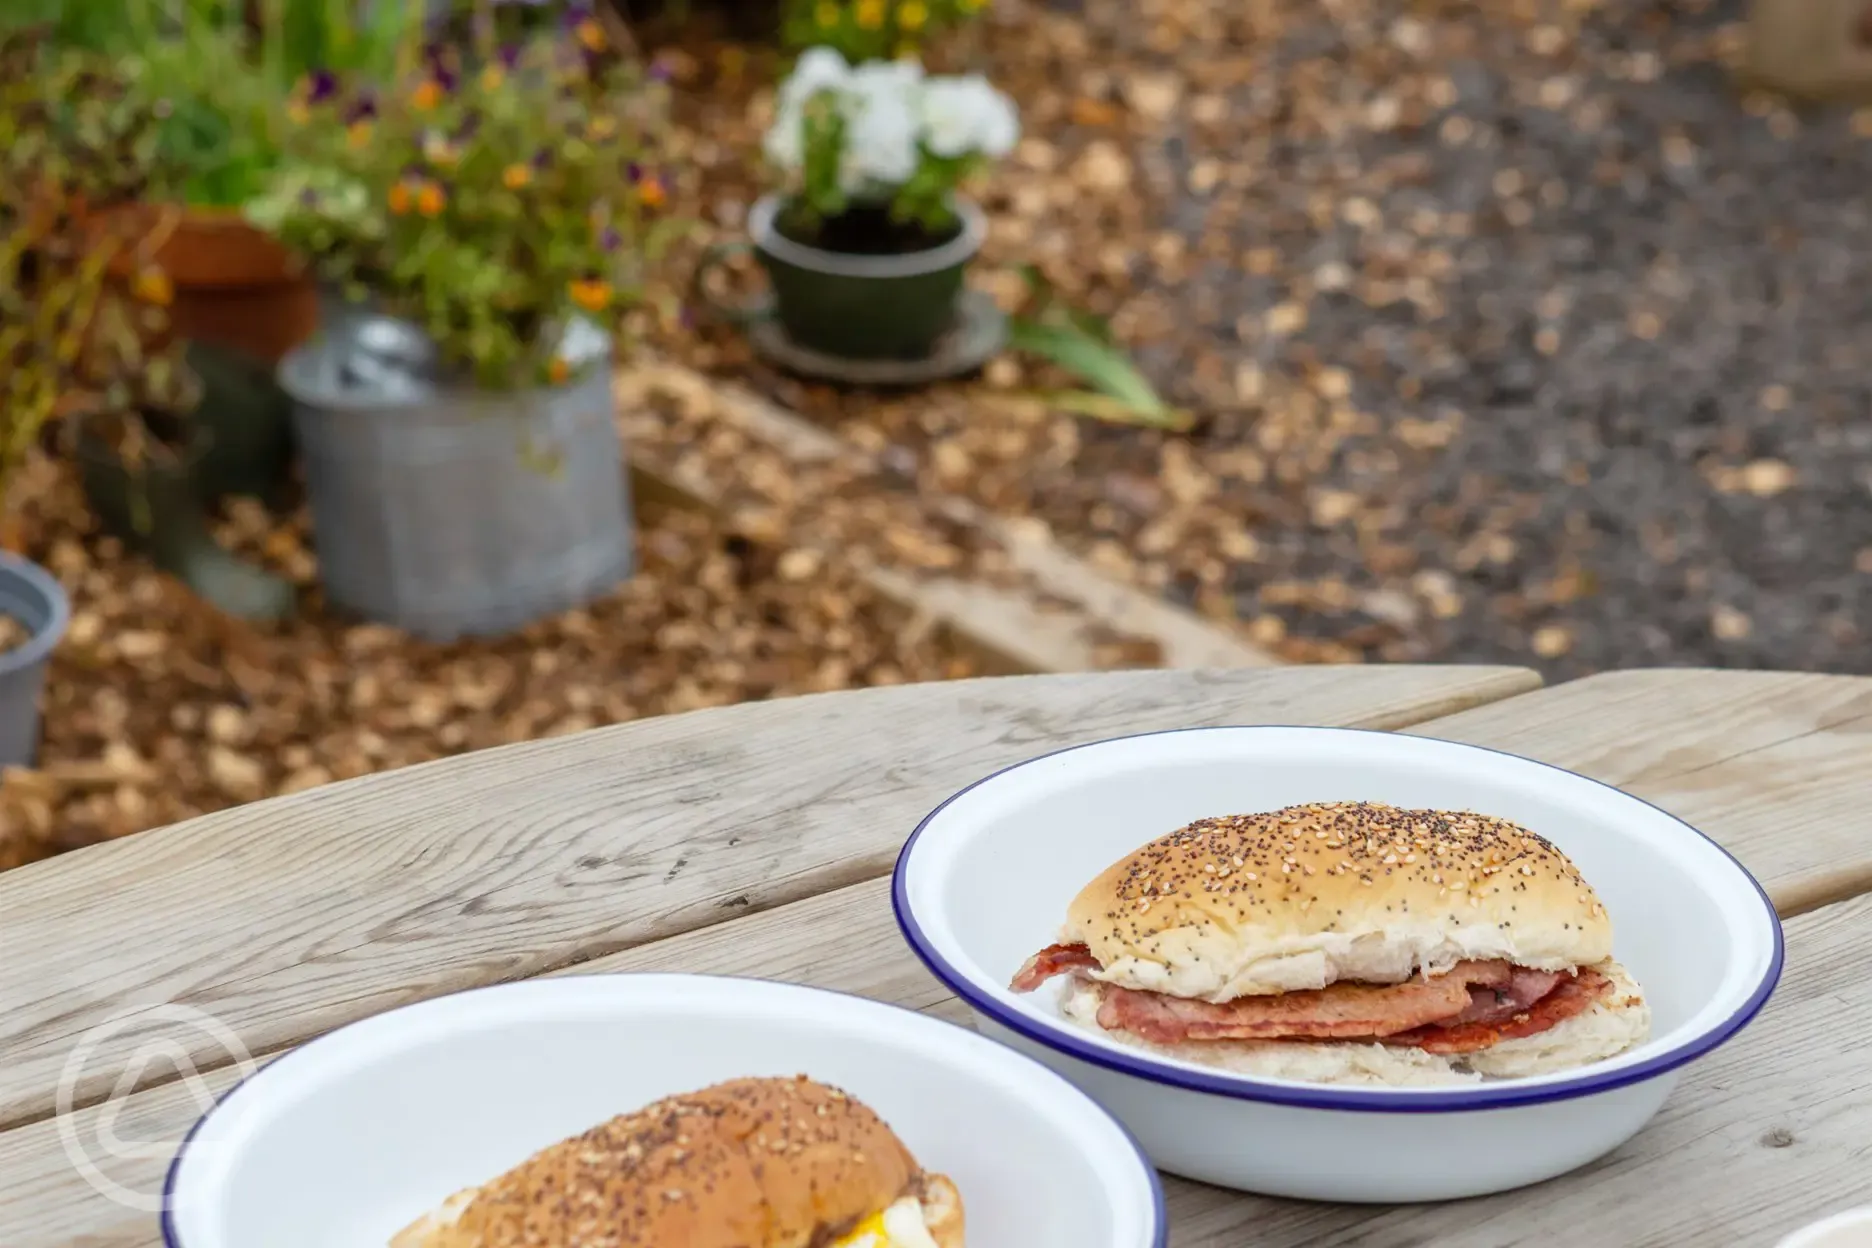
(1054, 614)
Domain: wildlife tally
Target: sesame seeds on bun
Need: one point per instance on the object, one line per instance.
(1303, 897)
(751, 1163)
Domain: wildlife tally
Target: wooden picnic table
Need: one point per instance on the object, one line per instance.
(757, 840)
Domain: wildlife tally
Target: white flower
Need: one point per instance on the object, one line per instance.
(880, 144)
(880, 105)
(1000, 125)
(785, 143)
(965, 114)
(882, 82)
(818, 69)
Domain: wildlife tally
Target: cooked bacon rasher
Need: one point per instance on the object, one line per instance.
(1472, 1007)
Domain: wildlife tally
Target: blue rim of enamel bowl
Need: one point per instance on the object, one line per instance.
(1248, 1088)
(1160, 1212)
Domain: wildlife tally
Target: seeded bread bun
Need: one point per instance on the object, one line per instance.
(752, 1163)
(1247, 905)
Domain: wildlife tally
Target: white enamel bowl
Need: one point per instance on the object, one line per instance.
(985, 880)
(345, 1141)
(1851, 1229)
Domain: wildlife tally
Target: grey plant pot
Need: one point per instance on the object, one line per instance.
(452, 512)
(33, 596)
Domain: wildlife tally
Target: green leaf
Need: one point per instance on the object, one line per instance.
(1118, 391)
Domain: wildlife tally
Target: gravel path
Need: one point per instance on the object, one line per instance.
(1645, 298)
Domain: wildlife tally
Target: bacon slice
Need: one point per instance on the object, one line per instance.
(1572, 996)
(1475, 1006)
(1335, 1012)
(1498, 1003)
(1050, 961)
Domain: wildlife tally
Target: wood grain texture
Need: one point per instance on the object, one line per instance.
(286, 918)
(1777, 766)
(1764, 1135)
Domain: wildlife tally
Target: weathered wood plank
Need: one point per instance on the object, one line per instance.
(1775, 765)
(1060, 615)
(1760, 1137)
(291, 916)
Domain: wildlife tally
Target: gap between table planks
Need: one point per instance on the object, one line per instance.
(1790, 1072)
(288, 917)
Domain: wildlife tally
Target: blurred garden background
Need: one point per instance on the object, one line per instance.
(388, 380)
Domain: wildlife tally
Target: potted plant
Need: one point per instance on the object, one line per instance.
(455, 418)
(77, 147)
(51, 283)
(46, 302)
(225, 85)
(866, 245)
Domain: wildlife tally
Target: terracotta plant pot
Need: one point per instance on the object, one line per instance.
(234, 286)
(855, 305)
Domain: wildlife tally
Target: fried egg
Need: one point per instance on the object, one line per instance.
(898, 1226)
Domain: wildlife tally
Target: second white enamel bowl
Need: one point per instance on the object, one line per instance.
(346, 1140)
(985, 880)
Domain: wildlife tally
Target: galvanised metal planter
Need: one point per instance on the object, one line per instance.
(857, 306)
(449, 511)
(33, 597)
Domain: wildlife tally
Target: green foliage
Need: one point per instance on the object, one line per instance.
(76, 148)
(869, 30)
(222, 79)
(1081, 345)
(488, 199)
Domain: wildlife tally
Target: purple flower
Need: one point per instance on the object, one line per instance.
(323, 87)
(685, 316)
(634, 172)
(441, 67)
(308, 198)
(542, 158)
(660, 70)
(363, 108)
(509, 54)
(610, 240)
(573, 15)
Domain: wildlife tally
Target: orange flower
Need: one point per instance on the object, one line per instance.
(492, 77)
(298, 112)
(591, 294)
(651, 192)
(429, 199)
(513, 177)
(591, 34)
(154, 286)
(558, 370)
(427, 96)
(400, 198)
(358, 133)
